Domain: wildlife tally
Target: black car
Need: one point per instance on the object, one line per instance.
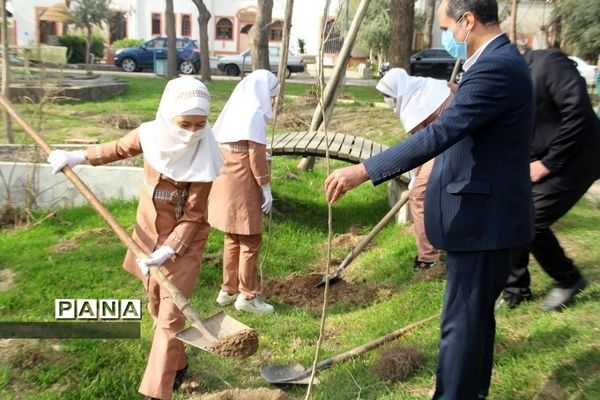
(135, 58)
(434, 63)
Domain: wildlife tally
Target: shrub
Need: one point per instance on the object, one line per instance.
(76, 47)
(126, 42)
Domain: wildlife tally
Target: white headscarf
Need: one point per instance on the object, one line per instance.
(416, 97)
(248, 110)
(182, 156)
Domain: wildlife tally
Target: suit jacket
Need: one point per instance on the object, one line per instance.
(479, 192)
(567, 132)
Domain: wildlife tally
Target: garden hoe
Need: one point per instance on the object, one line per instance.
(218, 334)
(296, 374)
(335, 276)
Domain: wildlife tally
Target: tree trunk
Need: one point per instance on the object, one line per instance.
(285, 44)
(430, 16)
(259, 35)
(513, 21)
(203, 18)
(6, 72)
(171, 41)
(88, 47)
(402, 15)
(65, 25)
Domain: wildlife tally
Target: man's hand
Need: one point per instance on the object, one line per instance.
(342, 180)
(538, 171)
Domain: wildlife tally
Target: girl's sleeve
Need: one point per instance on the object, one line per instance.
(193, 218)
(258, 162)
(125, 147)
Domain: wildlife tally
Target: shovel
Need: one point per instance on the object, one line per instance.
(335, 276)
(218, 334)
(296, 374)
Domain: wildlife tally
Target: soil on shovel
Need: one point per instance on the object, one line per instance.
(299, 290)
(239, 345)
(245, 394)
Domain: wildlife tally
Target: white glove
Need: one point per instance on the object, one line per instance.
(269, 157)
(59, 158)
(156, 258)
(267, 198)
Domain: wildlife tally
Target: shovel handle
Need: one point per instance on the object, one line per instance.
(371, 345)
(178, 298)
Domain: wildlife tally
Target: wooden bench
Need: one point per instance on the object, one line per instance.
(342, 146)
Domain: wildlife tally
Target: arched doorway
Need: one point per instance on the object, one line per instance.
(245, 19)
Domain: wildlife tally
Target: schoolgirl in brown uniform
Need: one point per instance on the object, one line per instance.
(181, 160)
(242, 192)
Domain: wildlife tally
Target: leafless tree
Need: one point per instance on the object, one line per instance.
(513, 21)
(402, 15)
(429, 17)
(6, 71)
(259, 35)
(285, 44)
(171, 41)
(203, 18)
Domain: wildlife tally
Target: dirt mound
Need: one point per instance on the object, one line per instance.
(436, 273)
(398, 362)
(299, 290)
(293, 121)
(347, 240)
(245, 394)
(6, 279)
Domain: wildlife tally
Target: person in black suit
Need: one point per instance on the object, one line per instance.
(565, 161)
(478, 205)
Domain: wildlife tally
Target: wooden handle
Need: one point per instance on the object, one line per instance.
(178, 298)
(386, 218)
(373, 344)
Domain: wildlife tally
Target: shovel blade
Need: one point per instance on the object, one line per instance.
(333, 278)
(219, 325)
(290, 374)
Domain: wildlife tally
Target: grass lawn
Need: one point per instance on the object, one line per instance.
(74, 255)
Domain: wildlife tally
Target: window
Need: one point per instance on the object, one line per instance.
(224, 29)
(156, 24)
(156, 44)
(118, 26)
(186, 25)
(273, 51)
(277, 31)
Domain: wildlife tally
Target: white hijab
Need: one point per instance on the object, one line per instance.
(416, 97)
(248, 110)
(181, 156)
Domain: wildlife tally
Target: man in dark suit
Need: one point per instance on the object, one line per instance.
(478, 205)
(565, 161)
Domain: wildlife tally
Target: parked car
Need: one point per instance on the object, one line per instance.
(434, 63)
(587, 71)
(233, 65)
(133, 59)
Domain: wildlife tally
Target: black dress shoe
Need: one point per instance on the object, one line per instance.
(559, 298)
(179, 375)
(422, 265)
(511, 300)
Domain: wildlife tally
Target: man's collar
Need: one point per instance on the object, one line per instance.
(471, 60)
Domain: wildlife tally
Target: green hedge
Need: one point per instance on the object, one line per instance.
(76, 46)
(126, 42)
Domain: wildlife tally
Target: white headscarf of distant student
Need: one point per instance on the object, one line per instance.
(416, 97)
(180, 155)
(248, 110)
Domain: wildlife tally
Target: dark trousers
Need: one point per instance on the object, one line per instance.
(550, 204)
(468, 327)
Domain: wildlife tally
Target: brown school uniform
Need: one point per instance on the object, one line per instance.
(235, 208)
(169, 213)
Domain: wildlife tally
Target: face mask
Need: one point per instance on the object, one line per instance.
(184, 136)
(391, 102)
(454, 48)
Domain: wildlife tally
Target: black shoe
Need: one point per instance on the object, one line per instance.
(422, 265)
(512, 300)
(559, 298)
(179, 375)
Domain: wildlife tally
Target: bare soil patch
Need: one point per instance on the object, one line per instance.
(97, 235)
(437, 273)
(6, 279)
(245, 394)
(299, 290)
